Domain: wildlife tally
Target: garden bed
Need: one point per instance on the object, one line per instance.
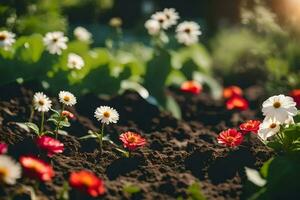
(178, 152)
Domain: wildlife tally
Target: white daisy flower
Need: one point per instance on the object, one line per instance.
(280, 107)
(7, 39)
(82, 34)
(10, 170)
(152, 26)
(41, 102)
(162, 19)
(172, 16)
(188, 32)
(67, 98)
(268, 128)
(106, 115)
(75, 61)
(55, 42)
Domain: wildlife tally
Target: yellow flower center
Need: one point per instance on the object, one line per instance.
(277, 104)
(187, 30)
(2, 37)
(106, 114)
(66, 98)
(273, 125)
(41, 102)
(3, 173)
(131, 139)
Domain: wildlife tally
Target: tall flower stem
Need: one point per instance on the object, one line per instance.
(42, 123)
(31, 114)
(59, 121)
(101, 137)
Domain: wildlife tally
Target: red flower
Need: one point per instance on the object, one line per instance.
(232, 91)
(237, 102)
(250, 126)
(132, 140)
(296, 96)
(230, 138)
(36, 168)
(3, 148)
(191, 87)
(88, 182)
(68, 114)
(50, 145)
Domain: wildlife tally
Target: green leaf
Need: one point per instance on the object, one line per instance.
(131, 189)
(194, 192)
(64, 124)
(173, 107)
(265, 168)
(33, 127)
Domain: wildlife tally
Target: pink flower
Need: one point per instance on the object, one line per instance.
(50, 145)
(230, 138)
(296, 96)
(232, 91)
(3, 148)
(192, 87)
(237, 102)
(132, 140)
(250, 126)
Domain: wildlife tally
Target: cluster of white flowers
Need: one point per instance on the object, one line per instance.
(106, 115)
(187, 32)
(55, 42)
(7, 39)
(75, 61)
(278, 110)
(10, 170)
(82, 34)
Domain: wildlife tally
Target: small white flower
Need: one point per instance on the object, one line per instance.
(172, 16)
(82, 34)
(10, 170)
(67, 98)
(162, 19)
(188, 32)
(41, 102)
(7, 39)
(152, 26)
(106, 115)
(280, 107)
(268, 128)
(75, 61)
(55, 42)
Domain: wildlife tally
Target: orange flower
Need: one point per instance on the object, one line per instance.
(50, 145)
(88, 182)
(250, 126)
(132, 140)
(296, 96)
(191, 87)
(232, 91)
(37, 168)
(68, 114)
(237, 102)
(230, 138)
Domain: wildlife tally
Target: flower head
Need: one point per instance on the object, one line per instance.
(152, 26)
(55, 42)
(106, 115)
(132, 140)
(50, 145)
(87, 182)
(162, 19)
(3, 148)
(268, 128)
(82, 34)
(41, 102)
(7, 39)
(237, 102)
(280, 107)
(75, 61)
(250, 126)
(232, 91)
(193, 87)
(115, 22)
(188, 32)
(172, 16)
(67, 98)
(68, 114)
(37, 168)
(230, 138)
(295, 94)
(10, 171)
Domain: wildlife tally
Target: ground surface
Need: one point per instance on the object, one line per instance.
(178, 152)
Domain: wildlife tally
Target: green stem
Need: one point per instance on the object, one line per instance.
(31, 114)
(100, 137)
(42, 124)
(59, 121)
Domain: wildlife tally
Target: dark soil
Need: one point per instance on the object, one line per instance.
(178, 153)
